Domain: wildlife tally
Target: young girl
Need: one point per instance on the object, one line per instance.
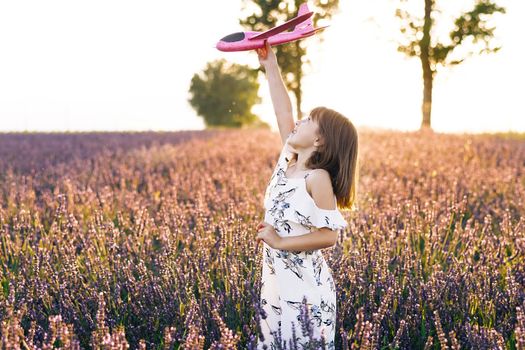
(315, 173)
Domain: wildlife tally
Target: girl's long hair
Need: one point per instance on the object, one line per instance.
(338, 154)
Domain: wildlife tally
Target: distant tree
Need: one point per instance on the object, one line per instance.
(470, 29)
(224, 94)
(290, 56)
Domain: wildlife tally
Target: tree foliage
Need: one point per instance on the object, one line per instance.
(290, 56)
(471, 26)
(471, 30)
(224, 94)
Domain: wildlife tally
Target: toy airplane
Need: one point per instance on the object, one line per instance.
(243, 41)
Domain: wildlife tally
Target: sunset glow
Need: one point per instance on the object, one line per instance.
(127, 66)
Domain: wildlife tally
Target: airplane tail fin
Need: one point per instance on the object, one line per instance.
(306, 25)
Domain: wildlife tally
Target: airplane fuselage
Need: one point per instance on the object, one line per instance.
(240, 41)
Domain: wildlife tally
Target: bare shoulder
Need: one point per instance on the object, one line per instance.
(319, 185)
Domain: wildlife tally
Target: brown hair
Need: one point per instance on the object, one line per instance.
(338, 154)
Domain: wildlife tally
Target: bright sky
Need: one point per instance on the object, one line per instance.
(127, 65)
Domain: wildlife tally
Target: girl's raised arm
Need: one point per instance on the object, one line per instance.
(280, 99)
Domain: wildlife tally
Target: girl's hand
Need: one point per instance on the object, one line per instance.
(266, 55)
(267, 233)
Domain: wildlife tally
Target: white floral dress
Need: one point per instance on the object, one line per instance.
(287, 276)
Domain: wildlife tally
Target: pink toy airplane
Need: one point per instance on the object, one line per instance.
(242, 41)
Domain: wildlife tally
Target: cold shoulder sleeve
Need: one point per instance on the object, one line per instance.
(306, 213)
(333, 219)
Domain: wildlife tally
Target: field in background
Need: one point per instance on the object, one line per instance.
(148, 238)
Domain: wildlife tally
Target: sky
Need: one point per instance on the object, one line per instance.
(126, 65)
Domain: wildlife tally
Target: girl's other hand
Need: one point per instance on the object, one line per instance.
(267, 233)
(266, 55)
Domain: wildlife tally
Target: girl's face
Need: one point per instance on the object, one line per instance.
(304, 133)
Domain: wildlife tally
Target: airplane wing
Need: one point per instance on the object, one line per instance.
(286, 25)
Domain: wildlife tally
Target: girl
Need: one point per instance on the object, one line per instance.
(315, 173)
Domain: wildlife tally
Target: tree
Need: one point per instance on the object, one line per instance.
(290, 56)
(224, 94)
(469, 28)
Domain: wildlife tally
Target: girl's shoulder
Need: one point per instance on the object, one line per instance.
(319, 186)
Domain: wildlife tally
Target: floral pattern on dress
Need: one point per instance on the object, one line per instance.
(269, 260)
(292, 262)
(317, 264)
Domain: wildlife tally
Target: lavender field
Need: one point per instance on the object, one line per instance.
(147, 240)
